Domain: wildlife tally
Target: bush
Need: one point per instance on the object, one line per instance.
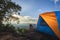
(7, 28)
(22, 31)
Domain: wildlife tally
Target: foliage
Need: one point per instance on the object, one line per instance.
(22, 31)
(7, 28)
(11, 29)
(7, 7)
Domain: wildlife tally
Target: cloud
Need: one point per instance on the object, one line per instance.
(39, 10)
(25, 19)
(28, 19)
(55, 1)
(57, 4)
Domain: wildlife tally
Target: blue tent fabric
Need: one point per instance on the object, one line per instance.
(45, 29)
(58, 18)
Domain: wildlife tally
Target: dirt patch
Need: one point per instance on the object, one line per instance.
(26, 36)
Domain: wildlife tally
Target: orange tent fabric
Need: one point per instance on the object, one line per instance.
(50, 19)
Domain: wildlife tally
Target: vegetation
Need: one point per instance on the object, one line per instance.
(7, 7)
(7, 28)
(22, 31)
(11, 29)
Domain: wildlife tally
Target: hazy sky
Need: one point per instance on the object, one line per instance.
(35, 7)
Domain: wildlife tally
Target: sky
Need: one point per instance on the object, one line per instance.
(33, 8)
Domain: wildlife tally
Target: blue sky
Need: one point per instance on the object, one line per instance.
(35, 7)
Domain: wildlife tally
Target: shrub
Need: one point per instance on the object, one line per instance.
(22, 31)
(7, 28)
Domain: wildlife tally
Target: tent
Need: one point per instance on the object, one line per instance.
(49, 23)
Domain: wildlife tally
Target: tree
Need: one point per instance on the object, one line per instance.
(7, 7)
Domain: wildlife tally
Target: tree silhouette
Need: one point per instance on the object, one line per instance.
(7, 7)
